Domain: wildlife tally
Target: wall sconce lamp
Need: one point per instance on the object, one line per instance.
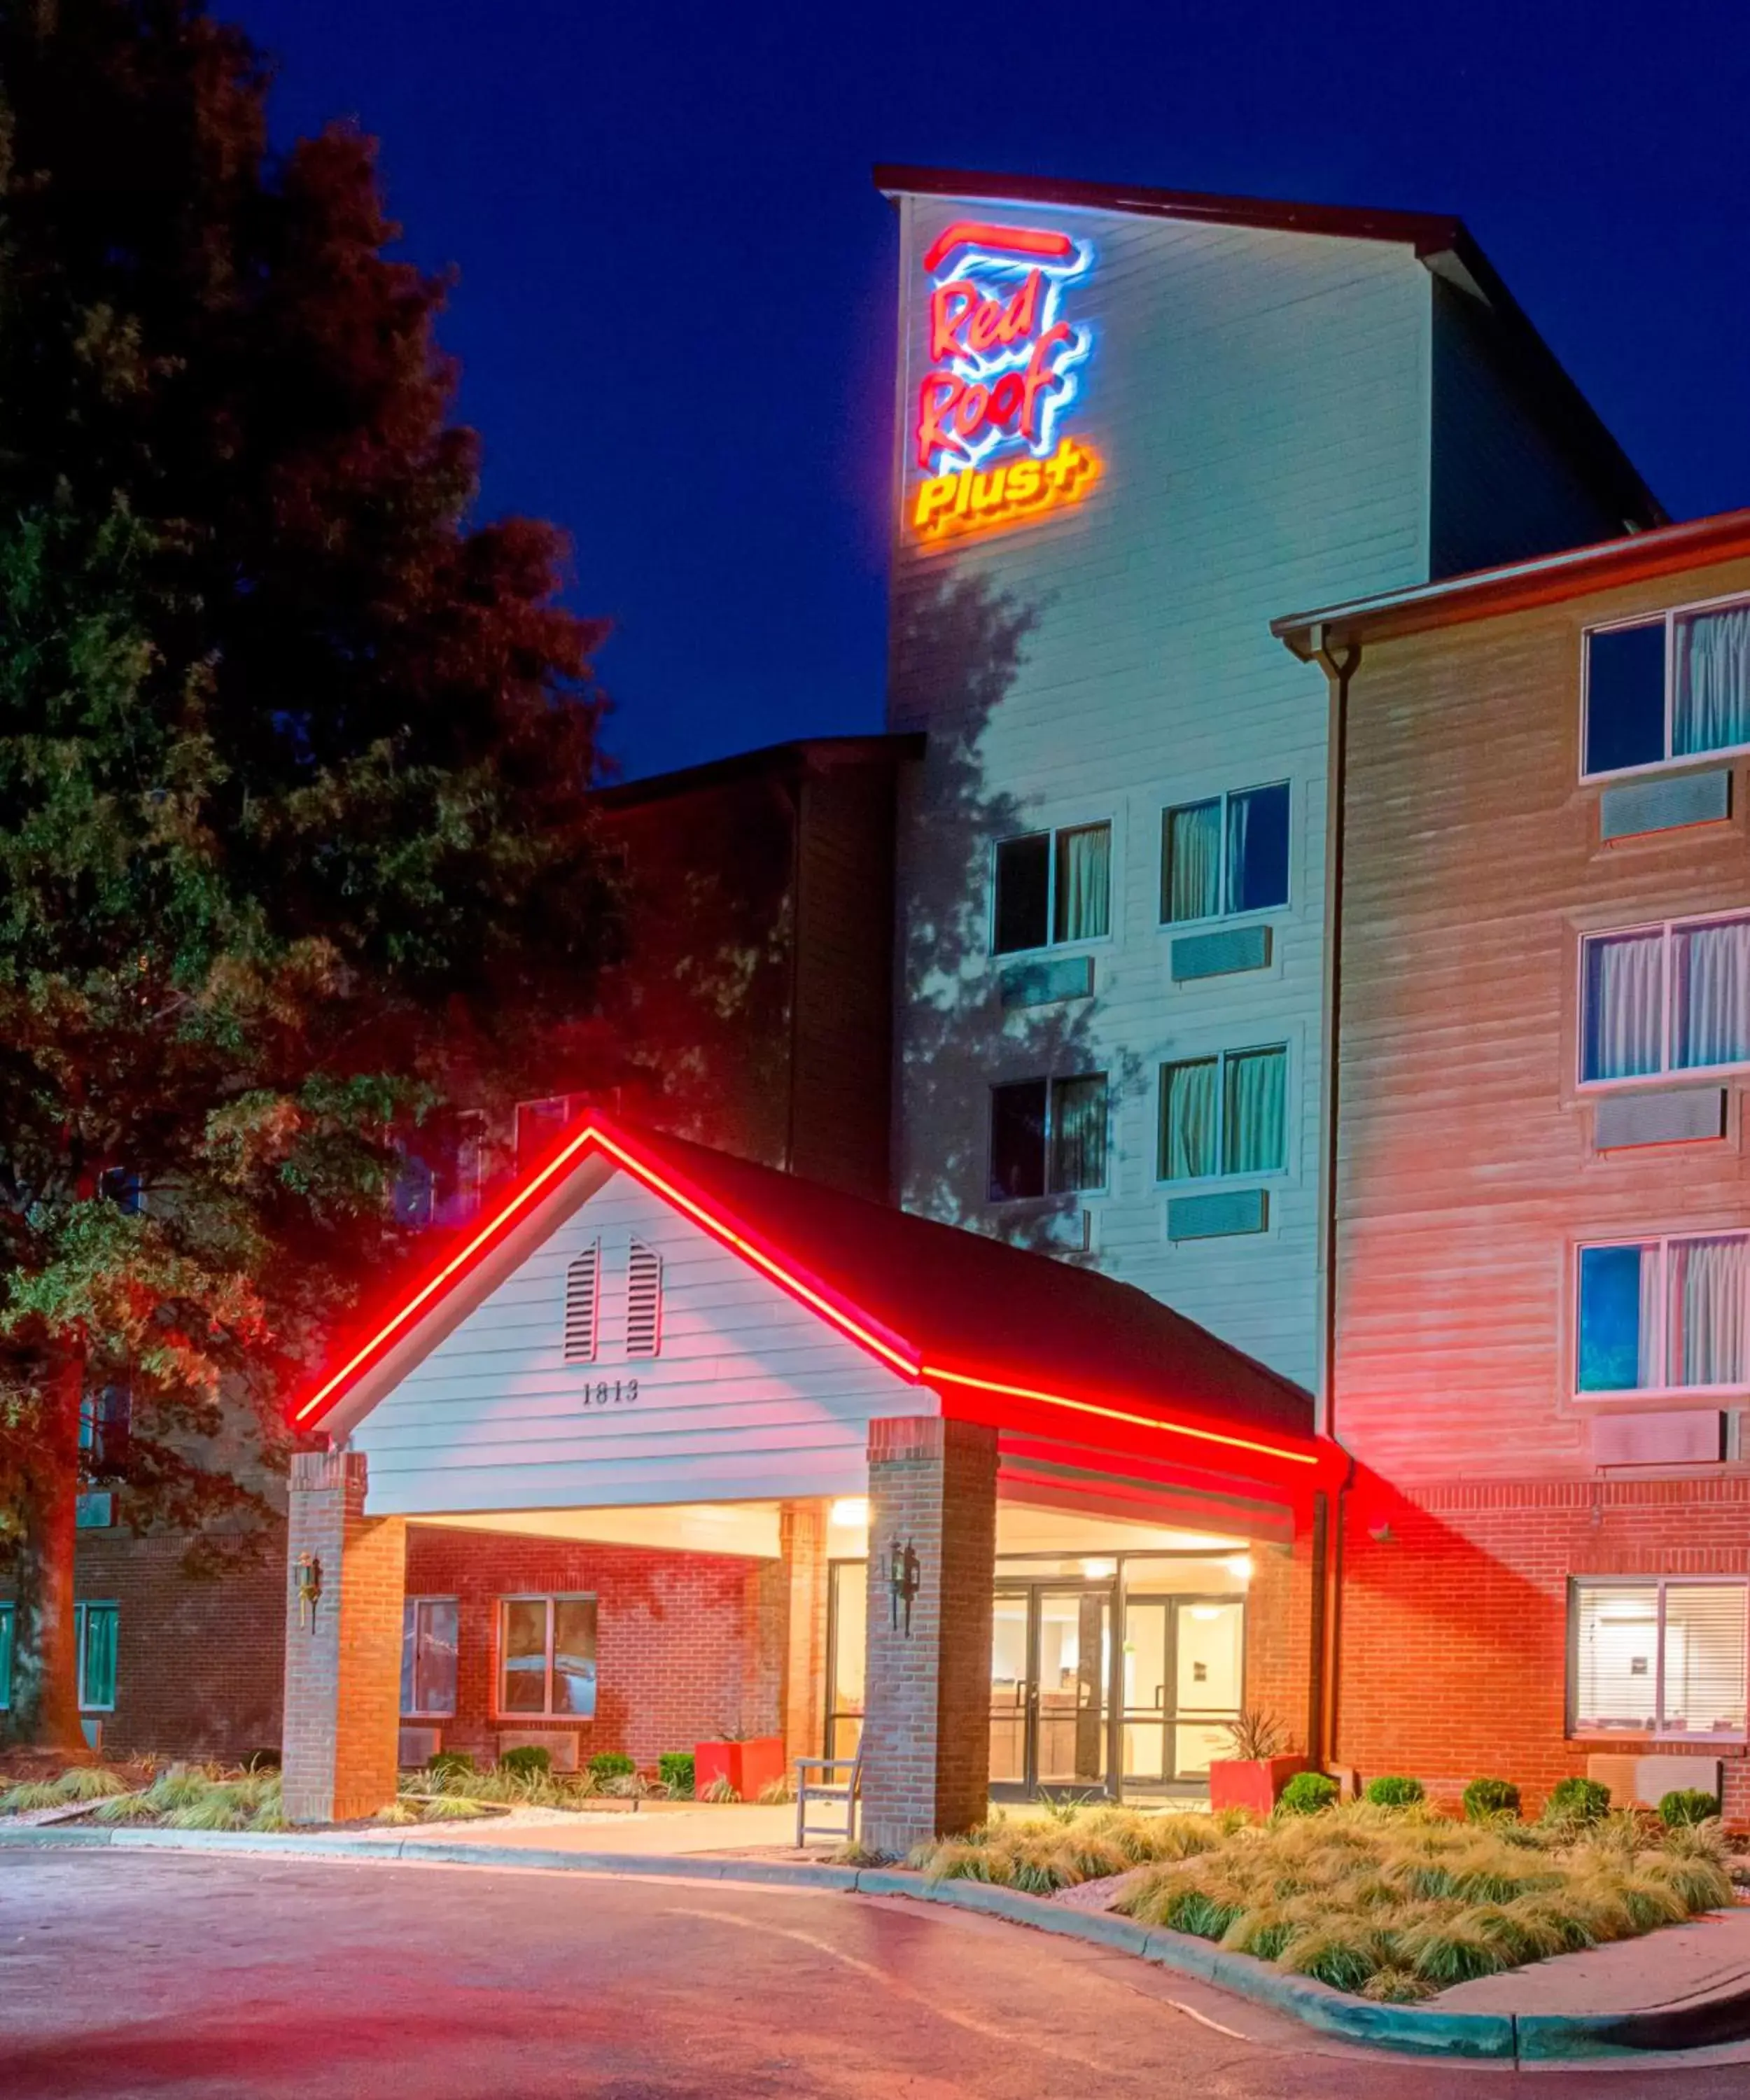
(308, 1572)
(904, 1577)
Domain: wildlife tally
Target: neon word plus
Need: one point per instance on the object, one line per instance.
(1004, 366)
(971, 499)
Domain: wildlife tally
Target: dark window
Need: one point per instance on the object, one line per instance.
(1625, 698)
(1047, 1137)
(547, 1656)
(1023, 888)
(1017, 1141)
(1612, 1348)
(428, 1655)
(1257, 849)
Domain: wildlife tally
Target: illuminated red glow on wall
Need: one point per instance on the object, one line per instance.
(961, 1389)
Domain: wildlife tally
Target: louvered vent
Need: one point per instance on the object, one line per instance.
(583, 1305)
(643, 1301)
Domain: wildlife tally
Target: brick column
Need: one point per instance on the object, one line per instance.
(927, 1737)
(802, 1534)
(343, 1661)
(1282, 1605)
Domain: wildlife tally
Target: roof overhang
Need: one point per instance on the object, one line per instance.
(481, 1256)
(1519, 586)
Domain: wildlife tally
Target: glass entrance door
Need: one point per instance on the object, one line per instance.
(1050, 1664)
(1183, 1660)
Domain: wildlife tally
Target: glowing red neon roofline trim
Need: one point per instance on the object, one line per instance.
(1007, 240)
(935, 1372)
(907, 1361)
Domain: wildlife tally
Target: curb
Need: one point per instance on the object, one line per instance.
(1704, 2023)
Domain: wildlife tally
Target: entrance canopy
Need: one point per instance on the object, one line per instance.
(641, 1321)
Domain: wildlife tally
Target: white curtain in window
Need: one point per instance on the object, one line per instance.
(1709, 1282)
(1190, 1116)
(1710, 1020)
(1079, 1133)
(1084, 883)
(1648, 1371)
(1712, 707)
(1192, 849)
(1256, 1088)
(1624, 1005)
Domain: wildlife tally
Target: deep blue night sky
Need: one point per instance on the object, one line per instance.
(676, 292)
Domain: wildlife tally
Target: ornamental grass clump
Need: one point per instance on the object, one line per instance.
(1395, 1904)
(88, 1783)
(28, 1795)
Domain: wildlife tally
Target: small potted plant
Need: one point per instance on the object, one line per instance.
(1260, 1767)
(748, 1763)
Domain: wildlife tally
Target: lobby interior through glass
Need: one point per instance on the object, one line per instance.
(1112, 1676)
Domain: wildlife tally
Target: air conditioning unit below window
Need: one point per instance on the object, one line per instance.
(418, 1746)
(560, 1743)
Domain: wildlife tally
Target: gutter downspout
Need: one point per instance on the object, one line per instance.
(1339, 668)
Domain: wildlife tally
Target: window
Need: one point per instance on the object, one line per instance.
(1670, 688)
(1664, 1315)
(442, 1172)
(95, 1627)
(643, 1301)
(428, 1656)
(5, 1656)
(1225, 855)
(1665, 998)
(1052, 886)
(847, 1638)
(1225, 1115)
(1047, 1137)
(583, 1305)
(1656, 1656)
(105, 1420)
(547, 1656)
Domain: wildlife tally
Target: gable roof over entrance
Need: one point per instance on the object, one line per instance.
(997, 1333)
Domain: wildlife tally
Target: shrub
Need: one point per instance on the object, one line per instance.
(1485, 1798)
(526, 1761)
(674, 1768)
(1686, 1805)
(1578, 1800)
(1395, 1790)
(611, 1764)
(1307, 1792)
(450, 1764)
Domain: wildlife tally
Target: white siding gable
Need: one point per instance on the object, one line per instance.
(750, 1396)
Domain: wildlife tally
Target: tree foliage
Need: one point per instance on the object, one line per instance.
(295, 852)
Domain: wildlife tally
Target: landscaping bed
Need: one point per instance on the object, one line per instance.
(1394, 1904)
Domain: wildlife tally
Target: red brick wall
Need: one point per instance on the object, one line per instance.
(199, 1661)
(1454, 1636)
(1280, 1611)
(687, 1643)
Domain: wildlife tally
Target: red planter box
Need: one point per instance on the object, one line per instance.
(1252, 1782)
(749, 1766)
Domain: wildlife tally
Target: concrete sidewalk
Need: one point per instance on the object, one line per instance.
(679, 1830)
(1675, 1967)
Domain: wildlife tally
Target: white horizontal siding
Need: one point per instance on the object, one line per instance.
(1260, 403)
(751, 1396)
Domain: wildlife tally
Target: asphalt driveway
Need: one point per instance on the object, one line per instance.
(224, 1977)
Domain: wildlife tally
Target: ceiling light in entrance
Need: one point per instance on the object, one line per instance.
(1240, 1567)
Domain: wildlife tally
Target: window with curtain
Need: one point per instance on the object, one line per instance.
(847, 1640)
(428, 1656)
(1047, 1137)
(96, 1628)
(1225, 855)
(1225, 1114)
(1051, 887)
(1674, 687)
(547, 1656)
(1667, 1314)
(1670, 998)
(1658, 1656)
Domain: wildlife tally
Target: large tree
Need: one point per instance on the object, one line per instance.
(295, 850)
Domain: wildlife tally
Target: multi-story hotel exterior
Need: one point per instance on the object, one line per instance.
(1542, 1200)
(1113, 871)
